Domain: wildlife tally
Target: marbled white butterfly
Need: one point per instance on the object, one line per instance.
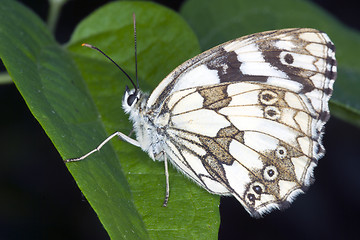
(245, 118)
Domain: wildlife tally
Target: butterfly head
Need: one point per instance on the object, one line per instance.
(130, 99)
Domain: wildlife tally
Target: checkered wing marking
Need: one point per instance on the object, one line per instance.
(246, 118)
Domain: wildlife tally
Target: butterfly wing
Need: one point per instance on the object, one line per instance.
(246, 118)
(301, 55)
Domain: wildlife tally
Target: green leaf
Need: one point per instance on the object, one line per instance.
(57, 96)
(164, 41)
(215, 22)
(74, 113)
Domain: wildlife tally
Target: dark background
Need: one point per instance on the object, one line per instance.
(40, 200)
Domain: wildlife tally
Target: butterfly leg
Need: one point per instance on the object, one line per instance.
(119, 134)
(167, 193)
(131, 132)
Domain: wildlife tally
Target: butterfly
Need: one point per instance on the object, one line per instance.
(245, 118)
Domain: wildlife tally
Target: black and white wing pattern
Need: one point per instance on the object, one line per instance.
(246, 118)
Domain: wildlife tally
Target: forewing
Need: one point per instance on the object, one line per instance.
(303, 58)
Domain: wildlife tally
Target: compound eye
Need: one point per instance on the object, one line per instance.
(131, 99)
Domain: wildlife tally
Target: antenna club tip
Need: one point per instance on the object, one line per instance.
(87, 45)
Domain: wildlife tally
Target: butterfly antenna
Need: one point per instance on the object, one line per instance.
(127, 75)
(135, 43)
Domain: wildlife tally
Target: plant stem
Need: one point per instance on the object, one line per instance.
(54, 13)
(5, 78)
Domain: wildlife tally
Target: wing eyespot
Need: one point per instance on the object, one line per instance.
(270, 173)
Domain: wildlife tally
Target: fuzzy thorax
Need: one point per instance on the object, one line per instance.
(134, 104)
